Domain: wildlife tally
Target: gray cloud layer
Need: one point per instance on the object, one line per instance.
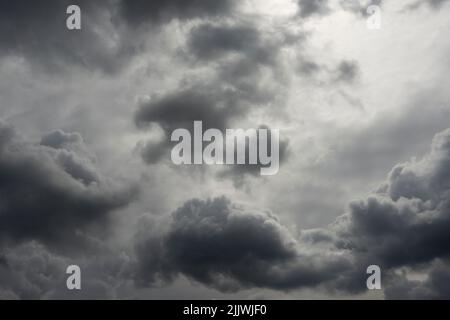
(56, 203)
(155, 12)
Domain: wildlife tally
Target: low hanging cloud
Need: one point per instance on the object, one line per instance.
(229, 248)
(50, 193)
(404, 224)
(407, 221)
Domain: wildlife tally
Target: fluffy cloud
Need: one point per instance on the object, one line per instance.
(227, 247)
(405, 224)
(347, 71)
(313, 7)
(49, 192)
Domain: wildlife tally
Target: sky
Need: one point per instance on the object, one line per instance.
(86, 176)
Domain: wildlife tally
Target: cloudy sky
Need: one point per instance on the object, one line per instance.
(85, 170)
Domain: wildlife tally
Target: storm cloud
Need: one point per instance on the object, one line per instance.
(405, 223)
(242, 61)
(52, 194)
(229, 248)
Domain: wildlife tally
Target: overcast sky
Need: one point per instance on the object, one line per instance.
(85, 170)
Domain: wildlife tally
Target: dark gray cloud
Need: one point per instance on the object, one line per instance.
(107, 43)
(411, 210)
(308, 8)
(59, 139)
(242, 54)
(308, 68)
(211, 42)
(31, 271)
(239, 56)
(434, 4)
(344, 72)
(244, 47)
(109, 38)
(141, 11)
(435, 286)
(154, 152)
(224, 246)
(347, 71)
(216, 109)
(37, 32)
(405, 223)
(359, 7)
(213, 106)
(239, 173)
(52, 195)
